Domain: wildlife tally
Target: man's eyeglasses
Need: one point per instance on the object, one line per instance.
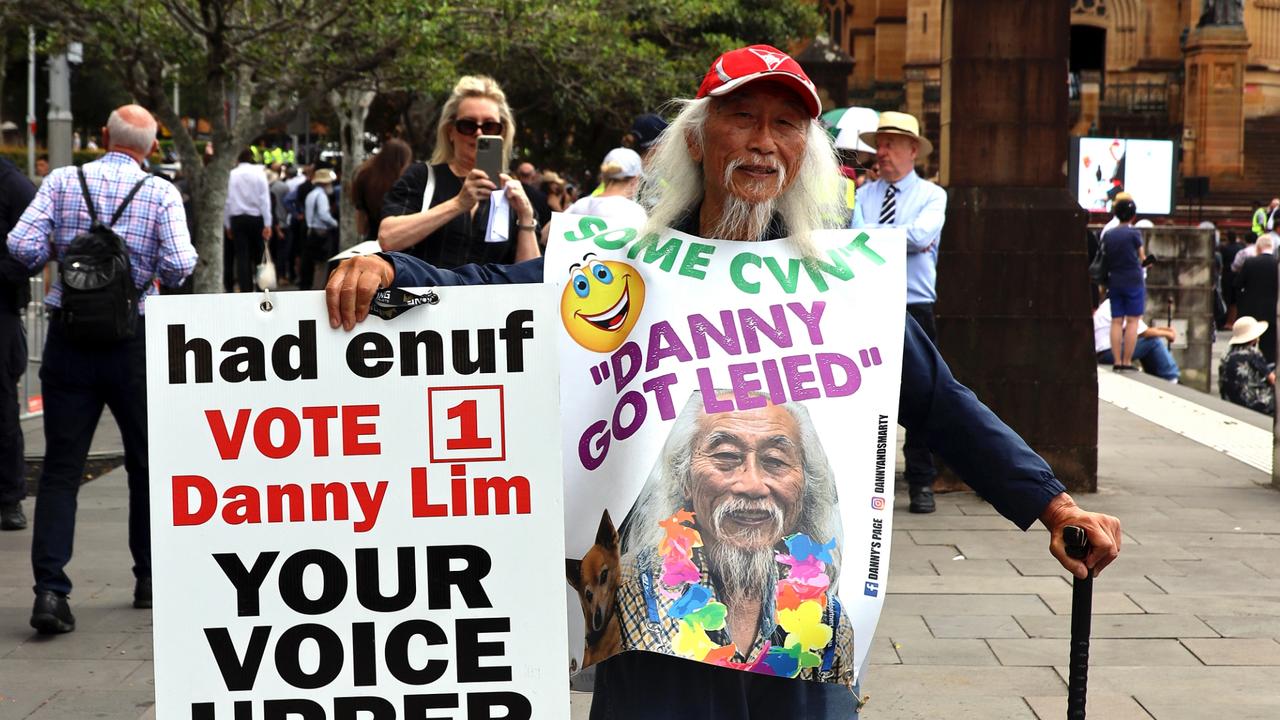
(469, 127)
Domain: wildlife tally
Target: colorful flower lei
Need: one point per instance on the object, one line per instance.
(799, 601)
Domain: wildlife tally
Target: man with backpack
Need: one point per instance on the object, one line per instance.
(113, 229)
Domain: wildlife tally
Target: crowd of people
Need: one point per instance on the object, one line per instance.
(744, 160)
(1246, 274)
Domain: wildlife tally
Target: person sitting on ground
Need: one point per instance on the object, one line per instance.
(1152, 348)
(621, 175)
(1244, 376)
(1126, 286)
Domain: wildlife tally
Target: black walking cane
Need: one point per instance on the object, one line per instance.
(1077, 547)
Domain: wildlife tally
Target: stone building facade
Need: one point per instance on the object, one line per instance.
(1133, 64)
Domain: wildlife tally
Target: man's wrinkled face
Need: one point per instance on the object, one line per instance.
(747, 478)
(895, 156)
(753, 142)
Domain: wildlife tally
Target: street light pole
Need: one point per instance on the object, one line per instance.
(31, 101)
(59, 128)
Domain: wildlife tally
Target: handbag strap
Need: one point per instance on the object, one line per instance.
(431, 187)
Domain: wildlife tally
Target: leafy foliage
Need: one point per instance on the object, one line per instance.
(576, 71)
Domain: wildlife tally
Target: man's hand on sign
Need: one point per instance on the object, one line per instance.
(352, 286)
(1102, 530)
(476, 188)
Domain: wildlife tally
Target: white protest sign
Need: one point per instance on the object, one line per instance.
(729, 420)
(357, 525)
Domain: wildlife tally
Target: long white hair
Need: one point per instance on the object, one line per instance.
(670, 485)
(672, 186)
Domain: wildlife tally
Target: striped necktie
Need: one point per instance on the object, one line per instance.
(887, 207)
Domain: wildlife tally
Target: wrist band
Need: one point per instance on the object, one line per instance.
(526, 227)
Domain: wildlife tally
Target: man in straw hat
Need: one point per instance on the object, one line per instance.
(901, 198)
(1244, 376)
(746, 160)
(320, 226)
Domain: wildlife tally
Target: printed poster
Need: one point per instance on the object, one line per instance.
(729, 416)
(357, 525)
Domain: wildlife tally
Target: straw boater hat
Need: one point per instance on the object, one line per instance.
(897, 123)
(323, 176)
(1247, 329)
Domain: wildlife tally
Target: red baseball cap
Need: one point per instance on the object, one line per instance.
(738, 67)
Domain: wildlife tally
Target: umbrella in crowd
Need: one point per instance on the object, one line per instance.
(845, 124)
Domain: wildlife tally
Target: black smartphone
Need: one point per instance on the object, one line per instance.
(1149, 260)
(490, 157)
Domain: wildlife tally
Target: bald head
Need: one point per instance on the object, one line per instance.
(131, 129)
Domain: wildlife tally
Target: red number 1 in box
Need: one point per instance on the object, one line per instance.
(467, 423)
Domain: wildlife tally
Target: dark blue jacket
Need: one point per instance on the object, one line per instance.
(985, 452)
(16, 192)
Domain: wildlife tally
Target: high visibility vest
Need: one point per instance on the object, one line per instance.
(850, 194)
(257, 153)
(1259, 221)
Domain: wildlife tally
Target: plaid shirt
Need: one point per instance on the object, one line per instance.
(154, 226)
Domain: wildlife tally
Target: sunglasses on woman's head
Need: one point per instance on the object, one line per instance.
(469, 127)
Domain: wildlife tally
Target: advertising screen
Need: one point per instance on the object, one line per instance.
(1103, 167)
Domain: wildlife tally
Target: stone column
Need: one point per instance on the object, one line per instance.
(1013, 308)
(1213, 112)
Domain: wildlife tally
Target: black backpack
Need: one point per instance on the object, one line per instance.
(99, 299)
(1098, 267)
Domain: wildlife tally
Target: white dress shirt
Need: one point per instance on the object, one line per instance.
(247, 194)
(920, 207)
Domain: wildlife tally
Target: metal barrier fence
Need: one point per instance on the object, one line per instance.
(30, 402)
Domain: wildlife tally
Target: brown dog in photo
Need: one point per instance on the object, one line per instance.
(595, 577)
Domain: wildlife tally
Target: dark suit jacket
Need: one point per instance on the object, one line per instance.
(1256, 288)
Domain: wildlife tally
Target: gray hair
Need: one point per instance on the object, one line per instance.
(672, 186)
(135, 128)
(670, 485)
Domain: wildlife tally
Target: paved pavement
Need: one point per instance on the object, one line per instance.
(1186, 624)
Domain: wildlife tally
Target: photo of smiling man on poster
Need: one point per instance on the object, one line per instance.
(731, 553)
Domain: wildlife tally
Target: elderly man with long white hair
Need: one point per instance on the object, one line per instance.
(746, 160)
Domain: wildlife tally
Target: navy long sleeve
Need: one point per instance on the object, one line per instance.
(986, 453)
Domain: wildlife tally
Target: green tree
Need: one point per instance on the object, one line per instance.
(260, 61)
(578, 71)
(575, 71)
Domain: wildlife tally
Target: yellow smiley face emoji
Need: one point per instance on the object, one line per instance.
(601, 303)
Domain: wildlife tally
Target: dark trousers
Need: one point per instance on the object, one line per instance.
(297, 242)
(919, 470)
(281, 247)
(13, 362)
(77, 382)
(648, 686)
(315, 249)
(246, 235)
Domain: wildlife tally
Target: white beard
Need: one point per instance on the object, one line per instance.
(741, 219)
(744, 563)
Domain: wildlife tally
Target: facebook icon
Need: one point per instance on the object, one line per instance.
(872, 589)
